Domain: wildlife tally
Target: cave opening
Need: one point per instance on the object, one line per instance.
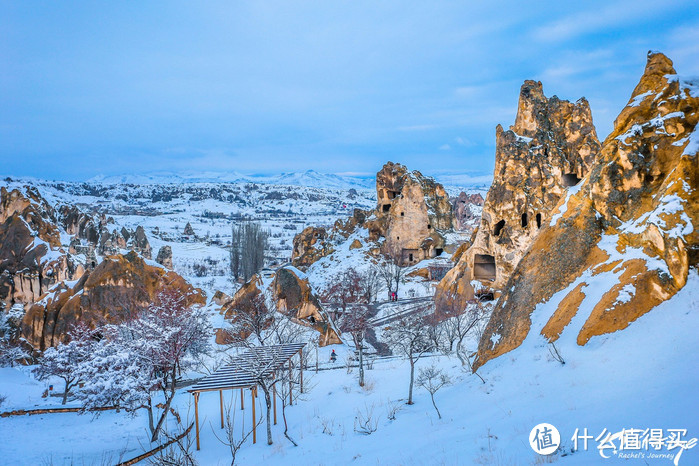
(386, 207)
(538, 220)
(498, 227)
(438, 252)
(570, 179)
(525, 220)
(484, 267)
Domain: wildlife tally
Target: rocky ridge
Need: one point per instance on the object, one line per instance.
(623, 240)
(549, 149)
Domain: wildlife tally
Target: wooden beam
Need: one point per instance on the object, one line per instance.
(196, 416)
(274, 398)
(221, 403)
(242, 403)
(291, 386)
(301, 363)
(254, 424)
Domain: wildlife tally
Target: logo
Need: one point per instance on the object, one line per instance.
(544, 439)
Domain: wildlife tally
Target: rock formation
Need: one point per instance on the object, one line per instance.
(413, 212)
(309, 246)
(291, 294)
(467, 211)
(188, 230)
(550, 148)
(412, 215)
(164, 257)
(623, 241)
(30, 259)
(119, 287)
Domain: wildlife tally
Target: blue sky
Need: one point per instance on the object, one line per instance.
(95, 87)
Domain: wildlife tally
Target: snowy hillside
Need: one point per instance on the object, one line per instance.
(640, 378)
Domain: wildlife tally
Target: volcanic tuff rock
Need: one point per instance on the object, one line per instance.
(551, 146)
(290, 294)
(412, 215)
(309, 246)
(118, 288)
(413, 212)
(467, 211)
(624, 240)
(165, 257)
(30, 258)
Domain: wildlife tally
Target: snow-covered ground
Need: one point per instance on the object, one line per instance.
(643, 377)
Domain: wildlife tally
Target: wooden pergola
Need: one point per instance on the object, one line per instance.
(244, 372)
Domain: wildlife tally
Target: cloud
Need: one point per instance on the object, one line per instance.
(445, 147)
(596, 19)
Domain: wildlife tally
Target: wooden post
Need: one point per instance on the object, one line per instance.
(316, 359)
(274, 398)
(291, 386)
(196, 415)
(242, 406)
(301, 364)
(221, 396)
(254, 423)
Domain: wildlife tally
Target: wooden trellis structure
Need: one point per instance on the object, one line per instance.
(243, 373)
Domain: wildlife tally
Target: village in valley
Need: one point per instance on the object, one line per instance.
(546, 314)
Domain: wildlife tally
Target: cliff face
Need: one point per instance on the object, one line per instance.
(31, 260)
(415, 212)
(118, 288)
(622, 241)
(548, 150)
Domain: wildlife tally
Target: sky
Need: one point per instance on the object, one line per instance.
(102, 87)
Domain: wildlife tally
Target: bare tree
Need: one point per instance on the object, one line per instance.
(347, 294)
(432, 379)
(459, 323)
(369, 284)
(232, 440)
(235, 252)
(391, 273)
(257, 326)
(410, 337)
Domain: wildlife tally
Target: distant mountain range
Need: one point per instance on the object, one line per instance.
(309, 178)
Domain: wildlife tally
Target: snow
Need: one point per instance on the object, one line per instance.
(564, 206)
(483, 423)
(669, 205)
(639, 98)
(692, 146)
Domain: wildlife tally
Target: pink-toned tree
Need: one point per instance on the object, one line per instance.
(141, 358)
(63, 361)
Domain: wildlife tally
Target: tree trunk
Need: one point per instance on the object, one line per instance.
(412, 378)
(268, 403)
(358, 344)
(435, 405)
(463, 360)
(286, 426)
(65, 392)
(168, 401)
(151, 426)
